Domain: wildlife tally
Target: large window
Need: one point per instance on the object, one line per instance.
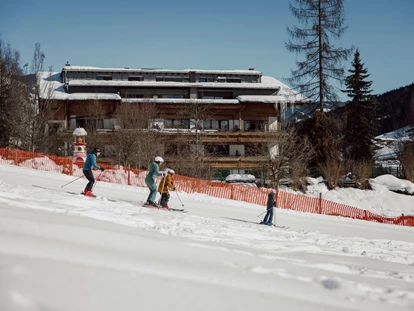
(135, 78)
(173, 96)
(233, 80)
(104, 77)
(90, 124)
(221, 125)
(176, 124)
(255, 149)
(131, 95)
(171, 79)
(205, 79)
(213, 97)
(217, 150)
(255, 125)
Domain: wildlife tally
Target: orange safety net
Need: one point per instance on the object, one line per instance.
(136, 177)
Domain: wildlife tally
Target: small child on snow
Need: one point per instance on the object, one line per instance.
(270, 204)
(163, 187)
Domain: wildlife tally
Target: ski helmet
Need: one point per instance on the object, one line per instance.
(159, 159)
(96, 150)
(171, 171)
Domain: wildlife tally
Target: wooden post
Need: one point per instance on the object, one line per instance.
(320, 203)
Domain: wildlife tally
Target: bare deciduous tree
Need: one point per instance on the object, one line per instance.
(333, 170)
(190, 150)
(11, 92)
(289, 157)
(135, 140)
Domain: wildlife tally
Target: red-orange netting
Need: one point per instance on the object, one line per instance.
(136, 177)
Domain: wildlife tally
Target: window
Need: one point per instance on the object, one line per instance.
(221, 125)
(206, 79)
(104, 77)
(90, 124)
(255, 125)
(255, 149)
(233, 80)
(131, 95)
(173, 96)
(176, 124)
(172, 79)
(168, 79)
(135, 78)
(221, 79)
(217, 150)
(213, 97)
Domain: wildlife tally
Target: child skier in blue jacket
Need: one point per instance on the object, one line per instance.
(270, 204)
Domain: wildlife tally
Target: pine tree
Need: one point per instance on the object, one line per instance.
(360, 128)
(323, 20)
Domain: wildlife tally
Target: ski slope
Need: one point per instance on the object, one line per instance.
(60, 251)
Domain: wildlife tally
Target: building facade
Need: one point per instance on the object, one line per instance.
(227, 116)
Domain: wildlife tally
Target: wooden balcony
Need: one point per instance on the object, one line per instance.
(232, 163)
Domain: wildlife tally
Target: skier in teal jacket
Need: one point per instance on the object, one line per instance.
(150, 180)
(87, 170)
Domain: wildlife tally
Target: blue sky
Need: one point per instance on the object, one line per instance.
(211, 34)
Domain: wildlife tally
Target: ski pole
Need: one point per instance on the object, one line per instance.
(97, 180)
(264, 212)
(179, 198)
(71, 182)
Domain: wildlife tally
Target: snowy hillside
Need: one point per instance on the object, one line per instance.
(62, 251)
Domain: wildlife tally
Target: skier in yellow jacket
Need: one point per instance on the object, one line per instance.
(165, 184)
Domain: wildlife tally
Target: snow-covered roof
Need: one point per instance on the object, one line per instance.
(52, 88)
(180, 101)
(267, 84)
(271, 99)
(240, 178)
(397, 135)
(79, 131)
(160, 70)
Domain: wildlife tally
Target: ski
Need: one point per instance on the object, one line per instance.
(167, 209)
(282, 227)
(93, 197)
(273, 225)
(178, 210)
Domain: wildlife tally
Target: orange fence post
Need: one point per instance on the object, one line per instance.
(320, 203)
(129, 175)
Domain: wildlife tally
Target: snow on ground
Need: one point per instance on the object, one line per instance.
(62, 251)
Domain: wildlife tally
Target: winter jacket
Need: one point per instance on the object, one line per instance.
(271, 200)
(153, 172)
(166, 183)
(90, 162)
